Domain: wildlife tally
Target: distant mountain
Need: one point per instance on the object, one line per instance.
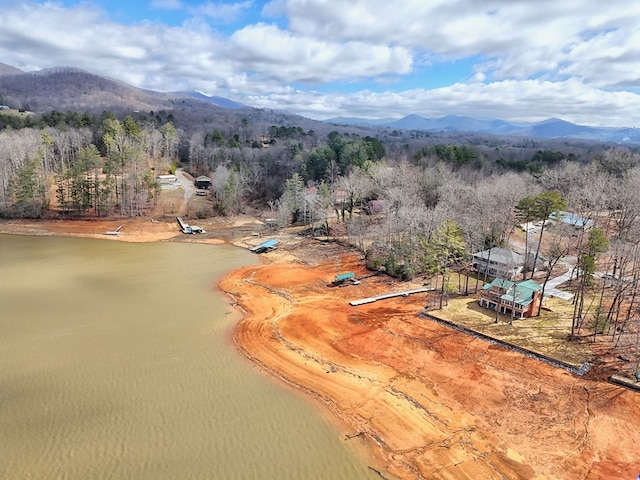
(555, 127)
(73, 89)
(219, 101)
(453, 123)
(359, 121)
(449, 123)
(8, 69)
(70, 88)
(551, 128)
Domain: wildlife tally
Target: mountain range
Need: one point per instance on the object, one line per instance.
(70, 88)
(550, 128)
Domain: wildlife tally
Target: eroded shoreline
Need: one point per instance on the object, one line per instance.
(425, 401)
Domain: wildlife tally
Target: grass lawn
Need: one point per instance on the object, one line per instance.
(548, 334)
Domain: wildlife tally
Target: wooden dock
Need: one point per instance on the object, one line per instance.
(114, 232)
(184, 227)
(406, 293)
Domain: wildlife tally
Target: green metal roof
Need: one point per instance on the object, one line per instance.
(345, 276)
(499, 282)
(531, 284)
(523, 290)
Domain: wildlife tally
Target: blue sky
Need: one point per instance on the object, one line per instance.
(519, 60)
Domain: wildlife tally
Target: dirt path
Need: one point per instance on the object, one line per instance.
(429, 402)
(186, 182)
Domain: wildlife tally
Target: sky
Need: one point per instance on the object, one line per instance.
(517, 60)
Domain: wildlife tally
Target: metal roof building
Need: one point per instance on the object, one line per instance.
(265, 246)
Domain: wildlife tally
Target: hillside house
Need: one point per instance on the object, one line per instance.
(498, 262)
(573, 220)
(311, 196)
(338, 197)
(264, 140)
(519, 299)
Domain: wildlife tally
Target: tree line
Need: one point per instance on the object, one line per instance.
(108, 169)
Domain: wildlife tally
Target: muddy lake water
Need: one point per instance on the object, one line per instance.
(116, 362)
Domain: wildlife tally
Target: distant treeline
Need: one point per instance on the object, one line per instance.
(56, 119)
(108, 163)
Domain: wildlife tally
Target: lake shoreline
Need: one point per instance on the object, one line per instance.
(421, 400)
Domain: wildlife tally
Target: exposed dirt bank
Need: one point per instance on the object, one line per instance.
(141, 229)
(136, 230)
(429, 402)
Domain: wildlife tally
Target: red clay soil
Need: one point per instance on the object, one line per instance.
(425, 400)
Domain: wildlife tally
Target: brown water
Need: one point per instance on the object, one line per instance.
(116, 363)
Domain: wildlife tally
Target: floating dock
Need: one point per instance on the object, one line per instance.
(264, 246)
(406, 293)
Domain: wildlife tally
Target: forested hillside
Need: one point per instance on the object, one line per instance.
(415, 204)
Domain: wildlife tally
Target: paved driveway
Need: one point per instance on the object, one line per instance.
(551, 289)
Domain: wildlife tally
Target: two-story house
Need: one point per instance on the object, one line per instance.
(498, 262)
(520, 299)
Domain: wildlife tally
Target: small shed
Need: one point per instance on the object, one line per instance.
(202, 182)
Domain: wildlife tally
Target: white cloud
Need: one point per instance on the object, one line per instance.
(518, 38)
(283, 56)
(526, 60)
(610, 59)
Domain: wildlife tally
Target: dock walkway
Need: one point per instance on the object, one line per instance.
(114, 232)
(405, 293)
(184, 228)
